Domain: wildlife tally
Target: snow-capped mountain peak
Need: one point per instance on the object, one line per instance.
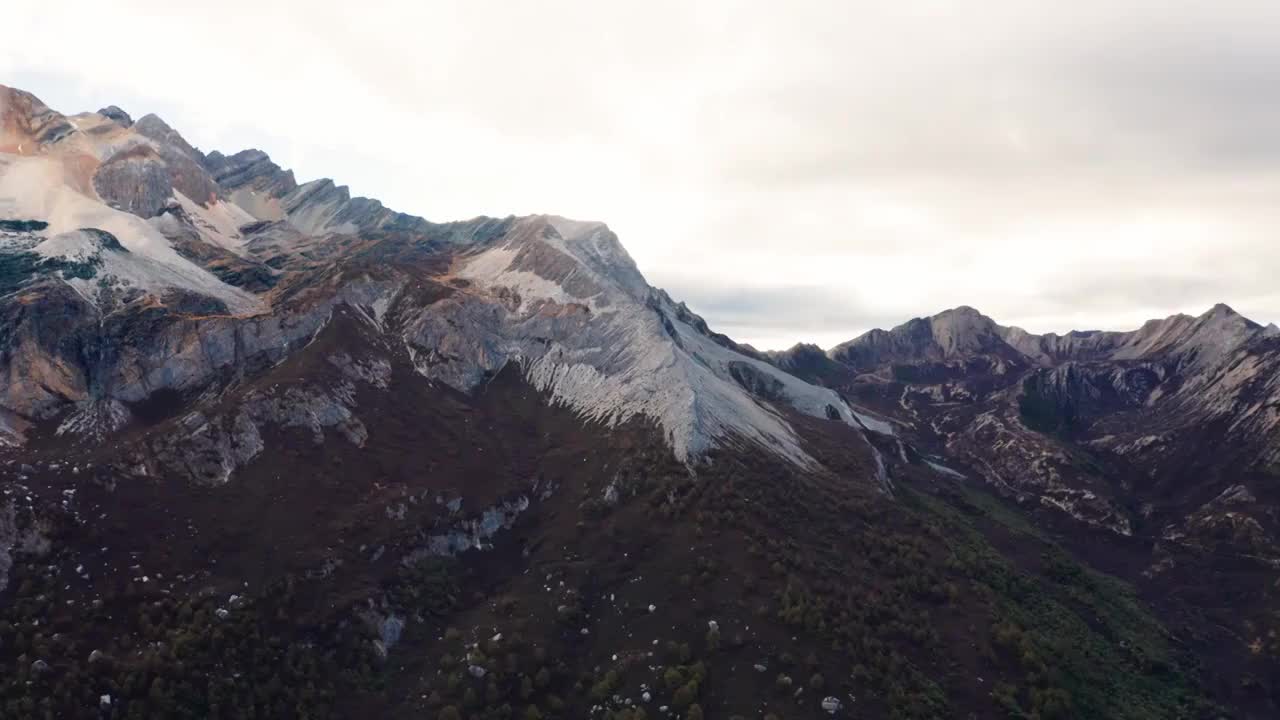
(134, 217)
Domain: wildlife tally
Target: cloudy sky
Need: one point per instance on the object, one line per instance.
(794, 170)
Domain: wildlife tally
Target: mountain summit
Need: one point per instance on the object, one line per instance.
(964, 331)
(216, 261)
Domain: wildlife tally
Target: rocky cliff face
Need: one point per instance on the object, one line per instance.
(220, 263)
(1065, 418)
(1165, 436)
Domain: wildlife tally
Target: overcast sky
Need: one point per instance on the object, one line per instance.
(793, 170)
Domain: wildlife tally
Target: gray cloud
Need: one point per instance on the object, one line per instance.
(796, 171)
(782, 310)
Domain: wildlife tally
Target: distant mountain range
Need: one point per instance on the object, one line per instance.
(270, 450)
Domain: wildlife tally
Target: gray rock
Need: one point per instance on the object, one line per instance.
(185, 163)
(250, 170)
(391, 629)
(473, 534)
(136, 181)
(114, 113)
(8, 538)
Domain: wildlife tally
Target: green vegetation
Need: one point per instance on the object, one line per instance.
(19, 268)
(904, 603)
(182, 658)
(22, 226)
(891, 587)
(1080, 640)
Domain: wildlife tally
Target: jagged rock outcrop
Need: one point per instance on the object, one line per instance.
(184, 162)
(210, 449)
(27, 123)
(237, 268)
(1095, 423)
(136, 181)
(948, 335)
(565, 301)
(252, 181)
(965, 333)
(116, 115)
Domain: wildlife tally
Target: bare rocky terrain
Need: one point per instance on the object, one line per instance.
(271, 450)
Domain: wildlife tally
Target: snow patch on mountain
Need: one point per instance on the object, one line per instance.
(872, 423)
(600, 341)
(493, 268)
(37, 188)
(560, 298)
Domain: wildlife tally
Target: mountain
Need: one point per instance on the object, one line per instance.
(272, 450)
(1181, 399)
(1165, 437)
(254, 263)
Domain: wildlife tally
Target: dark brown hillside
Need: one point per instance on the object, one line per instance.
(1146, 454)
(894, 606)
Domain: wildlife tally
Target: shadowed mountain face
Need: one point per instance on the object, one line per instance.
(1188, 403)
(270, 450)
(1157, 448)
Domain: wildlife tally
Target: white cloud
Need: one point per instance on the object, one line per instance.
(856, 162)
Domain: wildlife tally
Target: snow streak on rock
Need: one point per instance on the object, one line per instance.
(564, 301)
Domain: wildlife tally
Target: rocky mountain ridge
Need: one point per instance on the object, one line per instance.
(261, 262)
(1167, 436)
(964, 331)
(1125, 394)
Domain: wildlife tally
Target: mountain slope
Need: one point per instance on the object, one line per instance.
(1127, 394)
(272, 450)
(560, 298)
(1165, 436)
